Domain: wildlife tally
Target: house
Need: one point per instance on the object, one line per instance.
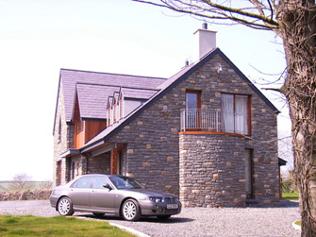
(206, 133)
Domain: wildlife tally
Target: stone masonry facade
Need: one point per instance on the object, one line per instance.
(204, 170)
(62, 141)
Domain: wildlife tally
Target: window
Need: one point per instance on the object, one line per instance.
(121, 182)
(85, 182)
(235, 112)
(99, 182)
(193, 100)
(193, 109)
(59, 131)
(81, 126)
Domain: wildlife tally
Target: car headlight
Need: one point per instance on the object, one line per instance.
(156, 199)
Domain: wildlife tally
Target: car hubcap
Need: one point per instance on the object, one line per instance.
(64, 206)
(129, 210)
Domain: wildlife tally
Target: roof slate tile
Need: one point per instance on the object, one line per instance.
(69, 78)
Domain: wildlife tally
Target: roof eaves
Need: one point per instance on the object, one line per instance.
(69, 152)
(109, 73)
(281, 161)
(92, 146)
(58, 92)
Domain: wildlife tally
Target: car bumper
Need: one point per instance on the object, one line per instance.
(157, 209)
(53, 200)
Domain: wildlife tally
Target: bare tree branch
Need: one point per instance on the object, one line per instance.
(212, 10)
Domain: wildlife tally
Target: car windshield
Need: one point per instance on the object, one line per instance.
(121, 182)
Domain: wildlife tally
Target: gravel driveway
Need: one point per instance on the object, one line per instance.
(193, 222)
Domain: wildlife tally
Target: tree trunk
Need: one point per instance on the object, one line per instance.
(297, 29)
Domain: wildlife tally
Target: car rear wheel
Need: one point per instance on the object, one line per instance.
(130, 210)
(98, 214)
(164, 217)
(65, 207)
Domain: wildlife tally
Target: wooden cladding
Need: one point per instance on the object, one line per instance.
(92, 128)
(85, 130)
(114, 161)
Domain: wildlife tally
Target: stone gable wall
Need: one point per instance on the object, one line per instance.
(153, 141)
(62, 142)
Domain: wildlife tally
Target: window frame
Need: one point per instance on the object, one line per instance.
(198, 118)
(73, 185)
(249, 118)
(59, 131)
(199, 97)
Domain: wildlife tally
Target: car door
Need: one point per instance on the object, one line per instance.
(102, 199)
(80, 192)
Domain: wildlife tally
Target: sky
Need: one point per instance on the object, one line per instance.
(38, 37)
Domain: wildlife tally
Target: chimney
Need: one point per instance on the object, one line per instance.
(206, 40)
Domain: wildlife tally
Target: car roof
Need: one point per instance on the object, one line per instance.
(105, 175)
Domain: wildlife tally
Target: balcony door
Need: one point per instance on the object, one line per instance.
(193, 109)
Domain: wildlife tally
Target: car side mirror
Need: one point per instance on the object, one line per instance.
(107, 186)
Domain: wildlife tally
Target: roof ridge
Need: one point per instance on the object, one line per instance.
(124, 87)
(110, 73)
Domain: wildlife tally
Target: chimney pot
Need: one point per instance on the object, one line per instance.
(206, 40)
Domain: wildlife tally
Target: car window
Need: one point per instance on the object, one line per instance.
(84, 182)
(121, 182)
(99, 182)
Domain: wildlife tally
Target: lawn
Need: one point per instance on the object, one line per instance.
(298, 222)
(290, 195)
(31, 226)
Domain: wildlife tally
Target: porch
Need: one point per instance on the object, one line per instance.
(104, 159)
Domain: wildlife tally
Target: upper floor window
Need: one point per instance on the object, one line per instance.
(236, 113)
(193, 100)
(193, 109)
(59, 131)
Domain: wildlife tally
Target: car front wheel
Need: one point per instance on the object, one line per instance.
(130, 210)
(65, 207)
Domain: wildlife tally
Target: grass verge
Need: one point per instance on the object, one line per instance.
(31, 226)
(298, 222)
(290, 195)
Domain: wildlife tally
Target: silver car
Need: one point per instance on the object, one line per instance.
(113, 195)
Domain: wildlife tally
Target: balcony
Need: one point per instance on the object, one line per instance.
(200, 120)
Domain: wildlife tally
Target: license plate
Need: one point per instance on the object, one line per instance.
(172, 206)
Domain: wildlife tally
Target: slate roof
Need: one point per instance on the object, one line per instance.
(281, 161)
(168, 84)
(93, 100)
(138, 93)
(68, 79)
